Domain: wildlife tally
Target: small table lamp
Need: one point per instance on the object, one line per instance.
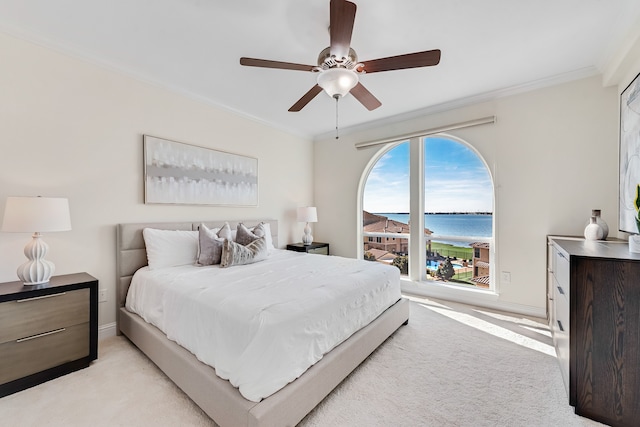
(307, 214)
(28, 214)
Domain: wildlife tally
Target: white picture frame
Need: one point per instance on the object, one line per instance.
(179, 173)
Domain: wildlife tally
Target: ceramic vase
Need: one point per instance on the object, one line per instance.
(634, 243)
(601, 223)
(593, 231)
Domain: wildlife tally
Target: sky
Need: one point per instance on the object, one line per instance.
(456, 180)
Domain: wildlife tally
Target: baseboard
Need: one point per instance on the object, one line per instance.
(106, 331)
(477, 298)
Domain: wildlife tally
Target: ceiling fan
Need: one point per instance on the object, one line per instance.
(338, 67)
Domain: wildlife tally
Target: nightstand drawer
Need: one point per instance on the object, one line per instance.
(46, 331)
(312, 248)
(31, 316)
(321, 251)
(19, 358)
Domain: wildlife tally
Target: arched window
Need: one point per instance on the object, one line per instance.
(455, 211)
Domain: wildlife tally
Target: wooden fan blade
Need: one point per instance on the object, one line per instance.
(365, 97)
(400, 62)
(305, 99)
(265, 63)
(342, 16)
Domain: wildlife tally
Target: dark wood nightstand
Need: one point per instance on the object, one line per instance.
(47, 331)
(313, 248)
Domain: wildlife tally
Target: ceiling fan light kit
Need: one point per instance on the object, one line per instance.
(337, 82)
(338, 66)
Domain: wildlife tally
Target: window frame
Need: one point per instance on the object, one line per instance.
(416, 238)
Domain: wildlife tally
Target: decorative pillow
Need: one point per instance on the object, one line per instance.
(244, 236)
(234, 253)
(210, 245)
(168, 248)
(261, 230)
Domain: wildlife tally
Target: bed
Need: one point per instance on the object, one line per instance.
(216, 396)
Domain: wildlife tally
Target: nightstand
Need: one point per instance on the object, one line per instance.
(47, 331)
(313, 248)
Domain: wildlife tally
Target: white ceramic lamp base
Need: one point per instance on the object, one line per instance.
(37, 270)
(307, 239)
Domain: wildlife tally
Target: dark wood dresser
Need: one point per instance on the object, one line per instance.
(47, 331)
(594, 314)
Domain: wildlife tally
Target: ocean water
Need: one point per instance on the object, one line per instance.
(474, 225)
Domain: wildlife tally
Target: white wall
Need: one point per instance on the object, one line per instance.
(553, 156)
(71, 129)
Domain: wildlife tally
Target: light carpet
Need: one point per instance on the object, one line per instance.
(452, 365)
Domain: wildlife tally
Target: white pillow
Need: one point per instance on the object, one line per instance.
(267, 235)
(226, 233)
(168, 248)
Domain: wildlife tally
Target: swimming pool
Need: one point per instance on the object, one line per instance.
(433, 265)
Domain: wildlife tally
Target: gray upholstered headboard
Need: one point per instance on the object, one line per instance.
(131, 253)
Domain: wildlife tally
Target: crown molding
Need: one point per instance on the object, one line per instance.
(467, 101)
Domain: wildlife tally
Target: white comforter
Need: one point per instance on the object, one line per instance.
(262, 325)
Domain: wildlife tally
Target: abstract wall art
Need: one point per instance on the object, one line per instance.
(178, 173)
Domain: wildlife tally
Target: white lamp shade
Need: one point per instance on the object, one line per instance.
(307, 214)
(337, 81)
(36, 214)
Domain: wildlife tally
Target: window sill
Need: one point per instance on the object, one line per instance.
(449, 292)
(475, 297)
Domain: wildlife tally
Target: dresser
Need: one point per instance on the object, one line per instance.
(593, 291)
(47, 331)
(313, 248)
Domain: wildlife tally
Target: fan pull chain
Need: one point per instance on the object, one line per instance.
(337, 97)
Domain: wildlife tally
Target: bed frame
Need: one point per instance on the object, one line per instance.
(217, 397)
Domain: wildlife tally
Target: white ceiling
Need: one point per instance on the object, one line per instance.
(194, 46)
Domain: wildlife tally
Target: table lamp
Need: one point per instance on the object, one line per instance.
(36, 214)
(307, 214)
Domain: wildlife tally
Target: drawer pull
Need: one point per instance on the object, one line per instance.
(560, 290)
(33, 337)
(42, 297)
(560, 326)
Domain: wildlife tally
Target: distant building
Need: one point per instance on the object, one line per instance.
(386, 249)
(373, 223)
(379, 255)
(480, 264)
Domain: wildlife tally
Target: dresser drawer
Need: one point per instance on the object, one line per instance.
(561, 272)
(32, 316)
(561, 332)
(19, 358)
